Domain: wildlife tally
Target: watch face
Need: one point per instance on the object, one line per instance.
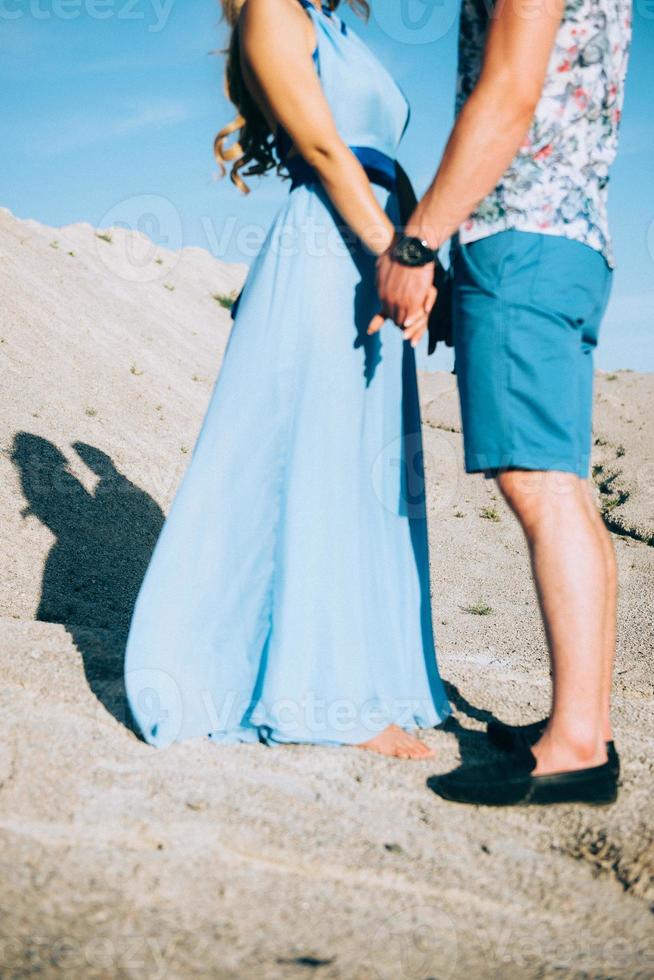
(411, 251)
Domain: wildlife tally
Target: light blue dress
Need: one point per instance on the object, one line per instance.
(287, 598)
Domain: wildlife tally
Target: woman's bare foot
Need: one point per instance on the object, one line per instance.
(394, 741)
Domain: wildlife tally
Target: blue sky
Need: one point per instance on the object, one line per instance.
(109, 109)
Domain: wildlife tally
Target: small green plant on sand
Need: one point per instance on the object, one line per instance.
(226, 300)
(104, 236)
(167, 285)
(480, 608)
(54, 244)
(135, 371)
(91, 412)
(489, 514)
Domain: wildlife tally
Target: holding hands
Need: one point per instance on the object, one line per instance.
(407, 295)
(405, 274)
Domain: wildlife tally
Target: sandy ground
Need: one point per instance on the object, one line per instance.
(122, 861)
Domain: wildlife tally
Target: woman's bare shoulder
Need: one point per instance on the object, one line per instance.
(262, 20)
(282, 11)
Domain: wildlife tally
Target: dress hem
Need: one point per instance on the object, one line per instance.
(269, 736)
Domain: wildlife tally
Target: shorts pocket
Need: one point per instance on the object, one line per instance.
(571, 281)
(504, 261)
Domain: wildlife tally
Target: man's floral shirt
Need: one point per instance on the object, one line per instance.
(558, 182)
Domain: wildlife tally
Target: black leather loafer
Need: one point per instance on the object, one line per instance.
(507, 737)
(511, 783)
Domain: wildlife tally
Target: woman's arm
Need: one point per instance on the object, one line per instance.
(276, 49)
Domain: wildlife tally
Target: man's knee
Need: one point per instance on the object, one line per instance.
(536, 496)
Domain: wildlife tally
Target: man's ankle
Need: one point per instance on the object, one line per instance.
(564, 752)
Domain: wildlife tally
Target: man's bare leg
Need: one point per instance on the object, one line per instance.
(570, 567)
(609, 616)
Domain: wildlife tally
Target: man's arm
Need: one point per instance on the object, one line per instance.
(406, 195)
(486, 137)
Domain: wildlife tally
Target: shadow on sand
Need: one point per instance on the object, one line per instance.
(474, 746)
(103, 543)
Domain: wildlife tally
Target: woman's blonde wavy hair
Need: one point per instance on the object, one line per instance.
(253, 150)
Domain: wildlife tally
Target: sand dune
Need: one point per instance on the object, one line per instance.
(121, 861)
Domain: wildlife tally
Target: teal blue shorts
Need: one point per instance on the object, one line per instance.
(527, 310)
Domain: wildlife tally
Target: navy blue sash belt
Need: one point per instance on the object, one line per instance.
(379, 167)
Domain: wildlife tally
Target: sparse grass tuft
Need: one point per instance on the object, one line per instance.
(480, 608)
(490, 514)
(72, 255)
(459, 513)
(611, 496)
(159, 261)
(183, 449)
(621, 498)
(54, 244)
(167, 285)
(104, 236)
(226, 300)
(620, 451)
(91, 412)
(611, 377)
(135, 371)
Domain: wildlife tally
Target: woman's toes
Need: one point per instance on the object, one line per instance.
(419, 751)
(398, 744)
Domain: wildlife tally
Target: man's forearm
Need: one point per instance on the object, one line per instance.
(486, 137)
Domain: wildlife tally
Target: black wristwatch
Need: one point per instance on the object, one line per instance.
(412, 251)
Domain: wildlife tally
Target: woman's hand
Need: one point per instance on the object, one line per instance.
(416, 327)
(407, 296)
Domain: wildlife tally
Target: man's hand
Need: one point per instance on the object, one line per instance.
(407, 296)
